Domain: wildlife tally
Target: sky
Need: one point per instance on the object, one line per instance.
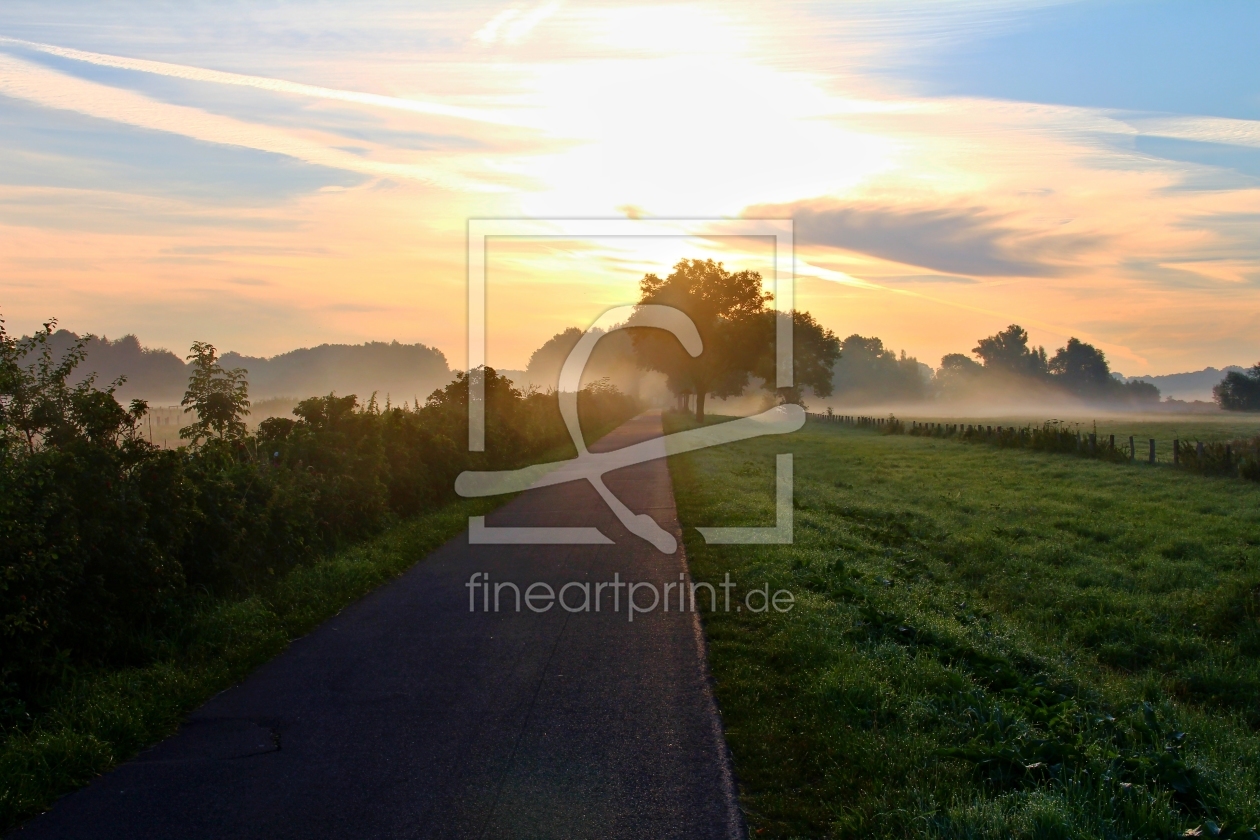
(268, 176)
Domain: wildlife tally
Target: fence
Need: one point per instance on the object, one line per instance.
(1237, 458)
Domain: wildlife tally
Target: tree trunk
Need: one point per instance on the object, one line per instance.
(699, 406)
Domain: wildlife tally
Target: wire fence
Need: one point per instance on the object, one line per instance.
(1239, 457)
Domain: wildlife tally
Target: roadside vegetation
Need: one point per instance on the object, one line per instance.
(136, 581)
(986, 642)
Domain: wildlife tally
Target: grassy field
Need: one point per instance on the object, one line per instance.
(986, 642)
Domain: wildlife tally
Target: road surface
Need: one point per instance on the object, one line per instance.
(407, 715)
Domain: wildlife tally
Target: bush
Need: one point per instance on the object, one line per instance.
(1234, 457)
(105, 538)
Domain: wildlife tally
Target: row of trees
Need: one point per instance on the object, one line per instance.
(1078, 368)
(1007, 363)
(105, 538)
(730, 311)
(1004, 365)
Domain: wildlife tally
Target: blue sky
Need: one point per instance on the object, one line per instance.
(1154, 55)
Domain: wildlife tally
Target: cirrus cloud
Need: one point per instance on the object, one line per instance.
(956, 240)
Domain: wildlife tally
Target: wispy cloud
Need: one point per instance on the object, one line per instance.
(959, 240)
(219, 77)
(34, 83)
(1202, 129)
(511, 26)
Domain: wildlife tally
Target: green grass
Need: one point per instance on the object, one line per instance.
(986, 643)
(102, 719)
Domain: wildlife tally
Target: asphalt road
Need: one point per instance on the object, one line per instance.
(407, 715)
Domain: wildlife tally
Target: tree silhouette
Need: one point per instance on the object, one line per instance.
(1239, 391)
(815, 351)
(727, 309)
(219, 397)
(1009, 350)
(1082, 368)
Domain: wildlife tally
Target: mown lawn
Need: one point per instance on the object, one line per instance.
(986, 642)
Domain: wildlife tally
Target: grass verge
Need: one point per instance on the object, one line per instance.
(985, 643)
(100, 720)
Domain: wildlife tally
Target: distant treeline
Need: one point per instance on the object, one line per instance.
(402, 371)
(1191, 385)
(1007, 368)
(105, 539)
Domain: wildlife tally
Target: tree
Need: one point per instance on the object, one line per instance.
(42, 406)
(815, 352)
(1009, 351)
(957, 363)
(1137, 391)
(870, 372)
(544, 365)
(957, 372)
(219, 397)
(727, 309)
(1239, 391)
(1083, 369)
(612, 358)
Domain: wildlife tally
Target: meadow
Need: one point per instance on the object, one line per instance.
(987, 642)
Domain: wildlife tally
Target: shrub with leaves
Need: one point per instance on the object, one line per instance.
(104, 538)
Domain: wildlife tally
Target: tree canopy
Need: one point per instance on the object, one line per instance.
(1009, 350)
(738, 332)
(727, 309)
(871, 372)
(1239, 391)
(1081, 367)
(219, 396)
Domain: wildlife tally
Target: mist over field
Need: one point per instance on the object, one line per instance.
(868, 379)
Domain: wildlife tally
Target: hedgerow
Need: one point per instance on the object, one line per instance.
(106, 540)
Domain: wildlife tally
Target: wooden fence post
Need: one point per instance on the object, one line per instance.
(1152, 450)
(1133, 449)
(1093, 443)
